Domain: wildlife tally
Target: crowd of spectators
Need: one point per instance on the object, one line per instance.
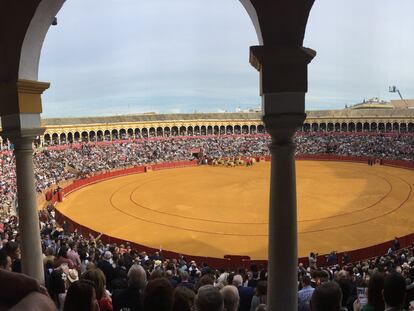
(53, 166)
(378, 146)
(82, 273)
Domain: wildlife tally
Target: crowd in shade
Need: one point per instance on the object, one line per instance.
(83, 273)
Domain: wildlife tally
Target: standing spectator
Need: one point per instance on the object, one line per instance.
(69, 276)
(98, 278)
(73, 254)
(394, 292)
(208, 298)
(326, 297)
(395, 244)
(231, 297)
(81, 296)
(375, 297)
(23, 293)
(13, 251)
(345, 258)
(62, 259)
(305, 294)
(245, 293)
(105, 264)
(5, 260)
(313, 260)
(185, 281)
(183, 299)
(159, 295)
(131, 297)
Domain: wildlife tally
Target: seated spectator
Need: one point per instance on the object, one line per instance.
(208, 298)
(231, 297)
(81, 296)
(326, 297)
(159, 295)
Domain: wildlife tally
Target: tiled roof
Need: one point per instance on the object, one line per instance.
(152, 118)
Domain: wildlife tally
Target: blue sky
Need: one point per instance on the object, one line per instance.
(109, 57)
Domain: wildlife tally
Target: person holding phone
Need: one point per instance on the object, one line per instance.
(374, 295)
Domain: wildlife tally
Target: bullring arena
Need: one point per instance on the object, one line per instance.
(214, 211)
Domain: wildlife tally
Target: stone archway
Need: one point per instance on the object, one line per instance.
(130, 133)
(99, 135)
(107, 135)
(70, 137)
(167, 131)
(76, 137)
(282, 61)
(47, 139)
(137, 133)
(62, 138)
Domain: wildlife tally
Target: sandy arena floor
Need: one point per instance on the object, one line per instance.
(214, 211)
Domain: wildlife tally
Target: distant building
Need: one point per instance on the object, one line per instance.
(373, 103)
(376, 103)
(403, 104)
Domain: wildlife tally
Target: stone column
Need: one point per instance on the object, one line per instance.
(283, 78)
(21, 124)
(32, 261)
(282, 273)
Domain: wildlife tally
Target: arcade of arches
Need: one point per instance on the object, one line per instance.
(72, 131)
(79, 130)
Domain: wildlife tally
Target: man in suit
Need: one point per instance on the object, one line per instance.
(245, 293)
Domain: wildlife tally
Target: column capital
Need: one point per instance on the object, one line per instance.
(25, 125)
(282, 68)
(22, 96)
(283, 126)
